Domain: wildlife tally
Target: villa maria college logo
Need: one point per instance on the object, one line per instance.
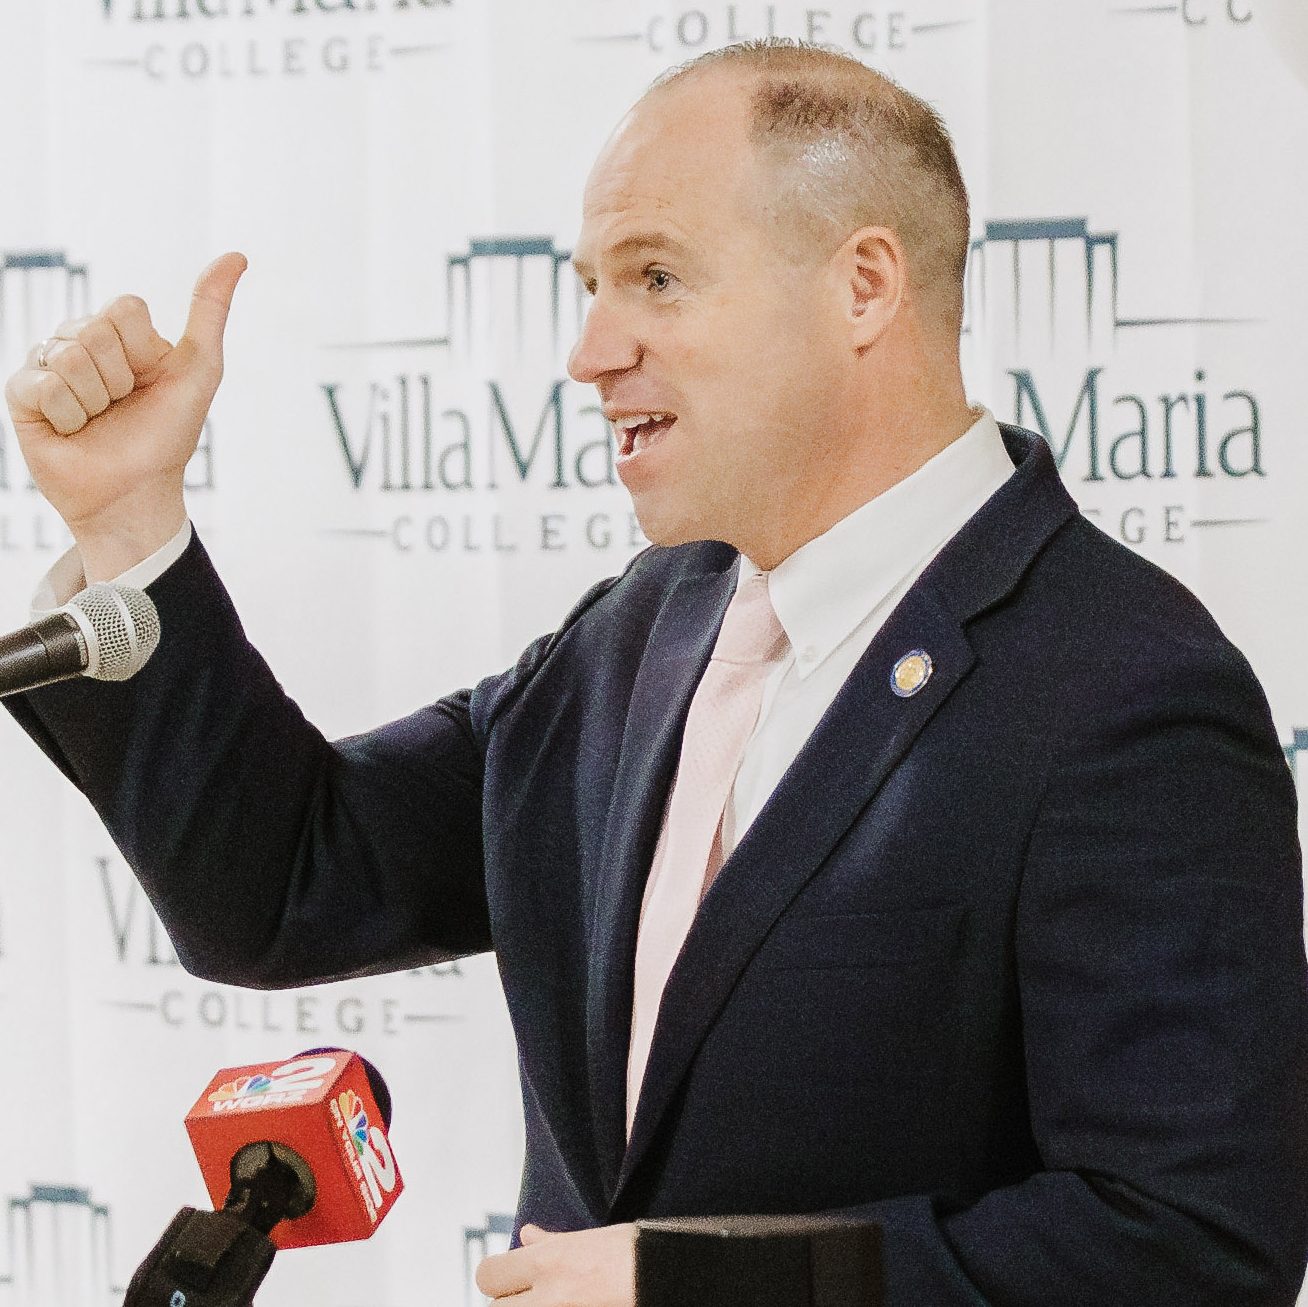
(1154, 426)
(1190, 13)
(486, 449)
(179, 41)
(872, 31)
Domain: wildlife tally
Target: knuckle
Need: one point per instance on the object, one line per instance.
(67, 419)
(127, 304)
(129, 310)
(97, 334)
(70, 361)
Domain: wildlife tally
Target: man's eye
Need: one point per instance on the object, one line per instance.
(659, 279)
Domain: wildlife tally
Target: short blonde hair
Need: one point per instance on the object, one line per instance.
(848, 147)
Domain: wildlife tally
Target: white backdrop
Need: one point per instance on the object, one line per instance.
(396, 431)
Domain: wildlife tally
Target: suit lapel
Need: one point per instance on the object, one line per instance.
(862, 736)
(864, 733)
(678, 651)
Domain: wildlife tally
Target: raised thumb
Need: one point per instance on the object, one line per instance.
(210, 302)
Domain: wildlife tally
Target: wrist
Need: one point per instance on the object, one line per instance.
(106, 554)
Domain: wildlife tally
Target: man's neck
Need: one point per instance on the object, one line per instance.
(883, 458)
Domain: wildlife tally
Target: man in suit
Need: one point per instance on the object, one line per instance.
(884, 841)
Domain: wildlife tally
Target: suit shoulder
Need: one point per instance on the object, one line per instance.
(1119, 627)
(615, 615)
(632, 599)
(1099, 584)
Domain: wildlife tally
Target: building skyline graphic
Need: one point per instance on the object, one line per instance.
(479, 1242)
(38, 290)
(1100, 285)
(59, 1250)
(467, 277)
(1000, 256)
(521, 249)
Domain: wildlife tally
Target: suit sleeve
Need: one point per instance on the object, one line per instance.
(272, 856)
(1161, 971)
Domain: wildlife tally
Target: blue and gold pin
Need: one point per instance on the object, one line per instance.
(911, 673)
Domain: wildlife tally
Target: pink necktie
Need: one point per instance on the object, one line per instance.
(722, 716)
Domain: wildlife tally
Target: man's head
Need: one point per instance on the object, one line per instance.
(774, 238)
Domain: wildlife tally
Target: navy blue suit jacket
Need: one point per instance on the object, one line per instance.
(1013, 965)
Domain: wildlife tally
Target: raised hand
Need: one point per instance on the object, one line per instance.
(108, 413)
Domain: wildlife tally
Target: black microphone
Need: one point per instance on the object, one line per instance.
(219, 1258)
(107, 633)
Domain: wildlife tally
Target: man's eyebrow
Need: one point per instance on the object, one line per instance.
(653, 241)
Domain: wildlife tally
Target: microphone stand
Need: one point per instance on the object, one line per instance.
(219, 1259)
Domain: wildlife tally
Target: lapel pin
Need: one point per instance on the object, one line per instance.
(911, 673)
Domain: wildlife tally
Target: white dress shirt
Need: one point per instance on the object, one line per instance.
(833, 595)
(66, 577)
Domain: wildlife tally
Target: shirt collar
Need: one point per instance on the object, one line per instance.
(828, 586)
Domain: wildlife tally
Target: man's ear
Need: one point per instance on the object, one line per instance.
(874, 279)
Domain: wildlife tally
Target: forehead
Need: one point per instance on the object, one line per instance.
(679, 166)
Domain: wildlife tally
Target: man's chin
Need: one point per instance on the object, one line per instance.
(668, 530)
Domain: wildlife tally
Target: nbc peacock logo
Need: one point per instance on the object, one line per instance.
(372, 1161)
(356, 1119)
(241, 1087)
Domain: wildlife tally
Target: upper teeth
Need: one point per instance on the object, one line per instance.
(639, 419)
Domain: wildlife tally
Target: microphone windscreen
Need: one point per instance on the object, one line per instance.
(376, 1082)
(121, 628)
(322, 1106)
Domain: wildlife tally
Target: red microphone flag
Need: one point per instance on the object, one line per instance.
(323, 1108)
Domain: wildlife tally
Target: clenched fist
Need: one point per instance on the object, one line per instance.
(108, 425)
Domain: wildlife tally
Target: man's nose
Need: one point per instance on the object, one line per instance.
(606, 344)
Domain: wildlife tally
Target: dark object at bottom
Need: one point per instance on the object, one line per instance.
(205, 1259)
(218, 1259)
(758, 1261)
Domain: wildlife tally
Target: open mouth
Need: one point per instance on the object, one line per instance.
(641, 430)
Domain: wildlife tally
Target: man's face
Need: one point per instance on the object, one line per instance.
(697, 315)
